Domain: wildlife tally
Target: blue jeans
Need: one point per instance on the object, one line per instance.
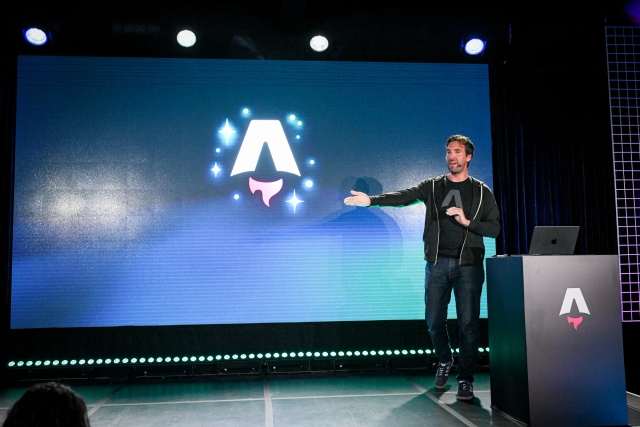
(441, 277)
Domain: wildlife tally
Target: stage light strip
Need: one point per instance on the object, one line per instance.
(221, 358)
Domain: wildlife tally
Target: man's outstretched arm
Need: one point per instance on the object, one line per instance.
(358, 199)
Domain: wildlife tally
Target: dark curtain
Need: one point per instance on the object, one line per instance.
(7, 128)
(553, 164)
(552, 154)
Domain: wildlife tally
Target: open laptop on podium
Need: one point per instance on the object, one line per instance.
(554, 240)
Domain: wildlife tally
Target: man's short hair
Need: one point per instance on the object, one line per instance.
(48, 404)
(468, 145)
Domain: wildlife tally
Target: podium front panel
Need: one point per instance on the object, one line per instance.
(573, 338)
(574, 341)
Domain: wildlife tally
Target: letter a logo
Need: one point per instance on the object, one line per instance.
(571, 295)
(455, 195)
(259, 132)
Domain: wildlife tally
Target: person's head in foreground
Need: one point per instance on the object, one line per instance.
(48, 404)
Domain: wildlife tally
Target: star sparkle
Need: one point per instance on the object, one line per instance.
(227, 131)
(294, 201)
(215, 169)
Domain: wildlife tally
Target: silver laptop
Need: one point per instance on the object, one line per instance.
(554, 240)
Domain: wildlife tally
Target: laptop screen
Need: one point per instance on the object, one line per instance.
(553, 240)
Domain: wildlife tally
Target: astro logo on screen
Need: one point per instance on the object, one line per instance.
(574, 294)
(264, 142)
(271, 133)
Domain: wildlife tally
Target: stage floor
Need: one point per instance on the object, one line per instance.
(340, 400)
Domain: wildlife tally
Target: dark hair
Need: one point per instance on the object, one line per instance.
(48, 404)
(468, 145)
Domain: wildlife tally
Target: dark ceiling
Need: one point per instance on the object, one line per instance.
(398, 31)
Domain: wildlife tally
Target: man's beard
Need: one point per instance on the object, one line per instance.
(456, 169)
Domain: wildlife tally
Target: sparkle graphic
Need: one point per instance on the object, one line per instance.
(226, 131)
(258, 133)
(294, 201)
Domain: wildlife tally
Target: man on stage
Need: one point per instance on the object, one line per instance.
(460, 211)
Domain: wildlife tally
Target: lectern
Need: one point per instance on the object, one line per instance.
(555, 337)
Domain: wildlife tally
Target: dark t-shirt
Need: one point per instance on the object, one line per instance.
(458, 194)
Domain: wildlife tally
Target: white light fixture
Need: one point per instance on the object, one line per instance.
(35, 36)
(319, 43)
(475, 46)
(186, 38)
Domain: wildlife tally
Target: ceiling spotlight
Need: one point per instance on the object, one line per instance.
(319, 43)
(186, 38)
(35, 36)
(474, 46)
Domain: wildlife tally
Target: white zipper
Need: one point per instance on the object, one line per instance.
(466, 231)
(433, 196)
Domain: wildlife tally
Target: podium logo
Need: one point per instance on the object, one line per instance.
(262, 132)
(571, 295)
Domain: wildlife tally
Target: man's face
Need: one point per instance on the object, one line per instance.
(457, 159)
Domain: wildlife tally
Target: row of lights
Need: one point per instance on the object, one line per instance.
(187, 38)
(218, 358)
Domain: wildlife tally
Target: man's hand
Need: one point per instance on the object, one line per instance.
(459, 216)
(358, 199)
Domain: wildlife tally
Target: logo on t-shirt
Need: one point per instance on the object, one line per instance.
(457, 198)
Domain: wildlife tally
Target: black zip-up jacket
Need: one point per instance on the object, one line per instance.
(484, 216)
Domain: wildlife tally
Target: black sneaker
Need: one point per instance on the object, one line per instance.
(465, 390)
(442, 374)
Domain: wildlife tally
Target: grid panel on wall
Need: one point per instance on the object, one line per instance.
(623, 58)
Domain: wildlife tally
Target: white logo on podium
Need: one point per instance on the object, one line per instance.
(571, 295)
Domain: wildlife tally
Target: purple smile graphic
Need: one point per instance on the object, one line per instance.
(575, 321)
(268, 189)
(574, 295)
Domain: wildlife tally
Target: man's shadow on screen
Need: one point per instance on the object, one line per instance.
(362, 218)
(368, 234)
(371, 250)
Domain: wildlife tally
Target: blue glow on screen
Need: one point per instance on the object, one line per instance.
(187, 191)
